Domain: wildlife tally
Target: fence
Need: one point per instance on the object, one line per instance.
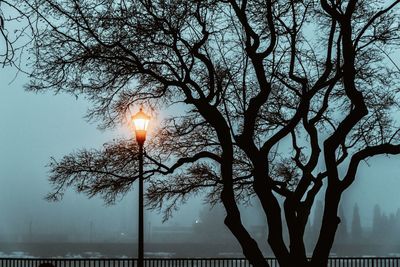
(188, 262)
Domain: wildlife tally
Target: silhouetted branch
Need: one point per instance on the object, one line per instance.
(17, 29)
(108, 172)
(364, 154)
(241, 77)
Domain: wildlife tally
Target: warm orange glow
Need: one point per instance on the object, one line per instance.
(141, 124)
(140, 121)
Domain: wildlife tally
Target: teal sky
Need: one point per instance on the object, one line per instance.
(34, 127)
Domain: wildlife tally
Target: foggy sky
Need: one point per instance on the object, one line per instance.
(34, 127)
(37, 126)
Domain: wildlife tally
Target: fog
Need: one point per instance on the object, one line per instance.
(35, 127)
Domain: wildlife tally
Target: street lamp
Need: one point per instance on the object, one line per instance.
(140, 122)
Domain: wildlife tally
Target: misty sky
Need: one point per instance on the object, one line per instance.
(34, 127)
(37, 126)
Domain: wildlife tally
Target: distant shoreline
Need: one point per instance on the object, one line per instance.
(164, 250)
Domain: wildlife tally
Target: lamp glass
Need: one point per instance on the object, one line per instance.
(140, 122)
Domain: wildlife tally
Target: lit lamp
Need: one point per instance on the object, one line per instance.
(140, 121)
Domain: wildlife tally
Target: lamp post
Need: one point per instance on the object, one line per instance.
(140, 121)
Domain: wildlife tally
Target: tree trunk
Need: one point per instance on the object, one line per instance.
(233, 221)
(296, 228)
(329, 226)
(273, 212)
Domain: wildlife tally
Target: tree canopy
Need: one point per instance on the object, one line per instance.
(277, 99)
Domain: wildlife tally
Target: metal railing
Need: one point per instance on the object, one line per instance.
(189, 262)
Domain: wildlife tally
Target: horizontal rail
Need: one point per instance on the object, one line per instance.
(187, 262)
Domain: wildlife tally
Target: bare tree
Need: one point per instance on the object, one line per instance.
(16, 30)
(280, 99)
